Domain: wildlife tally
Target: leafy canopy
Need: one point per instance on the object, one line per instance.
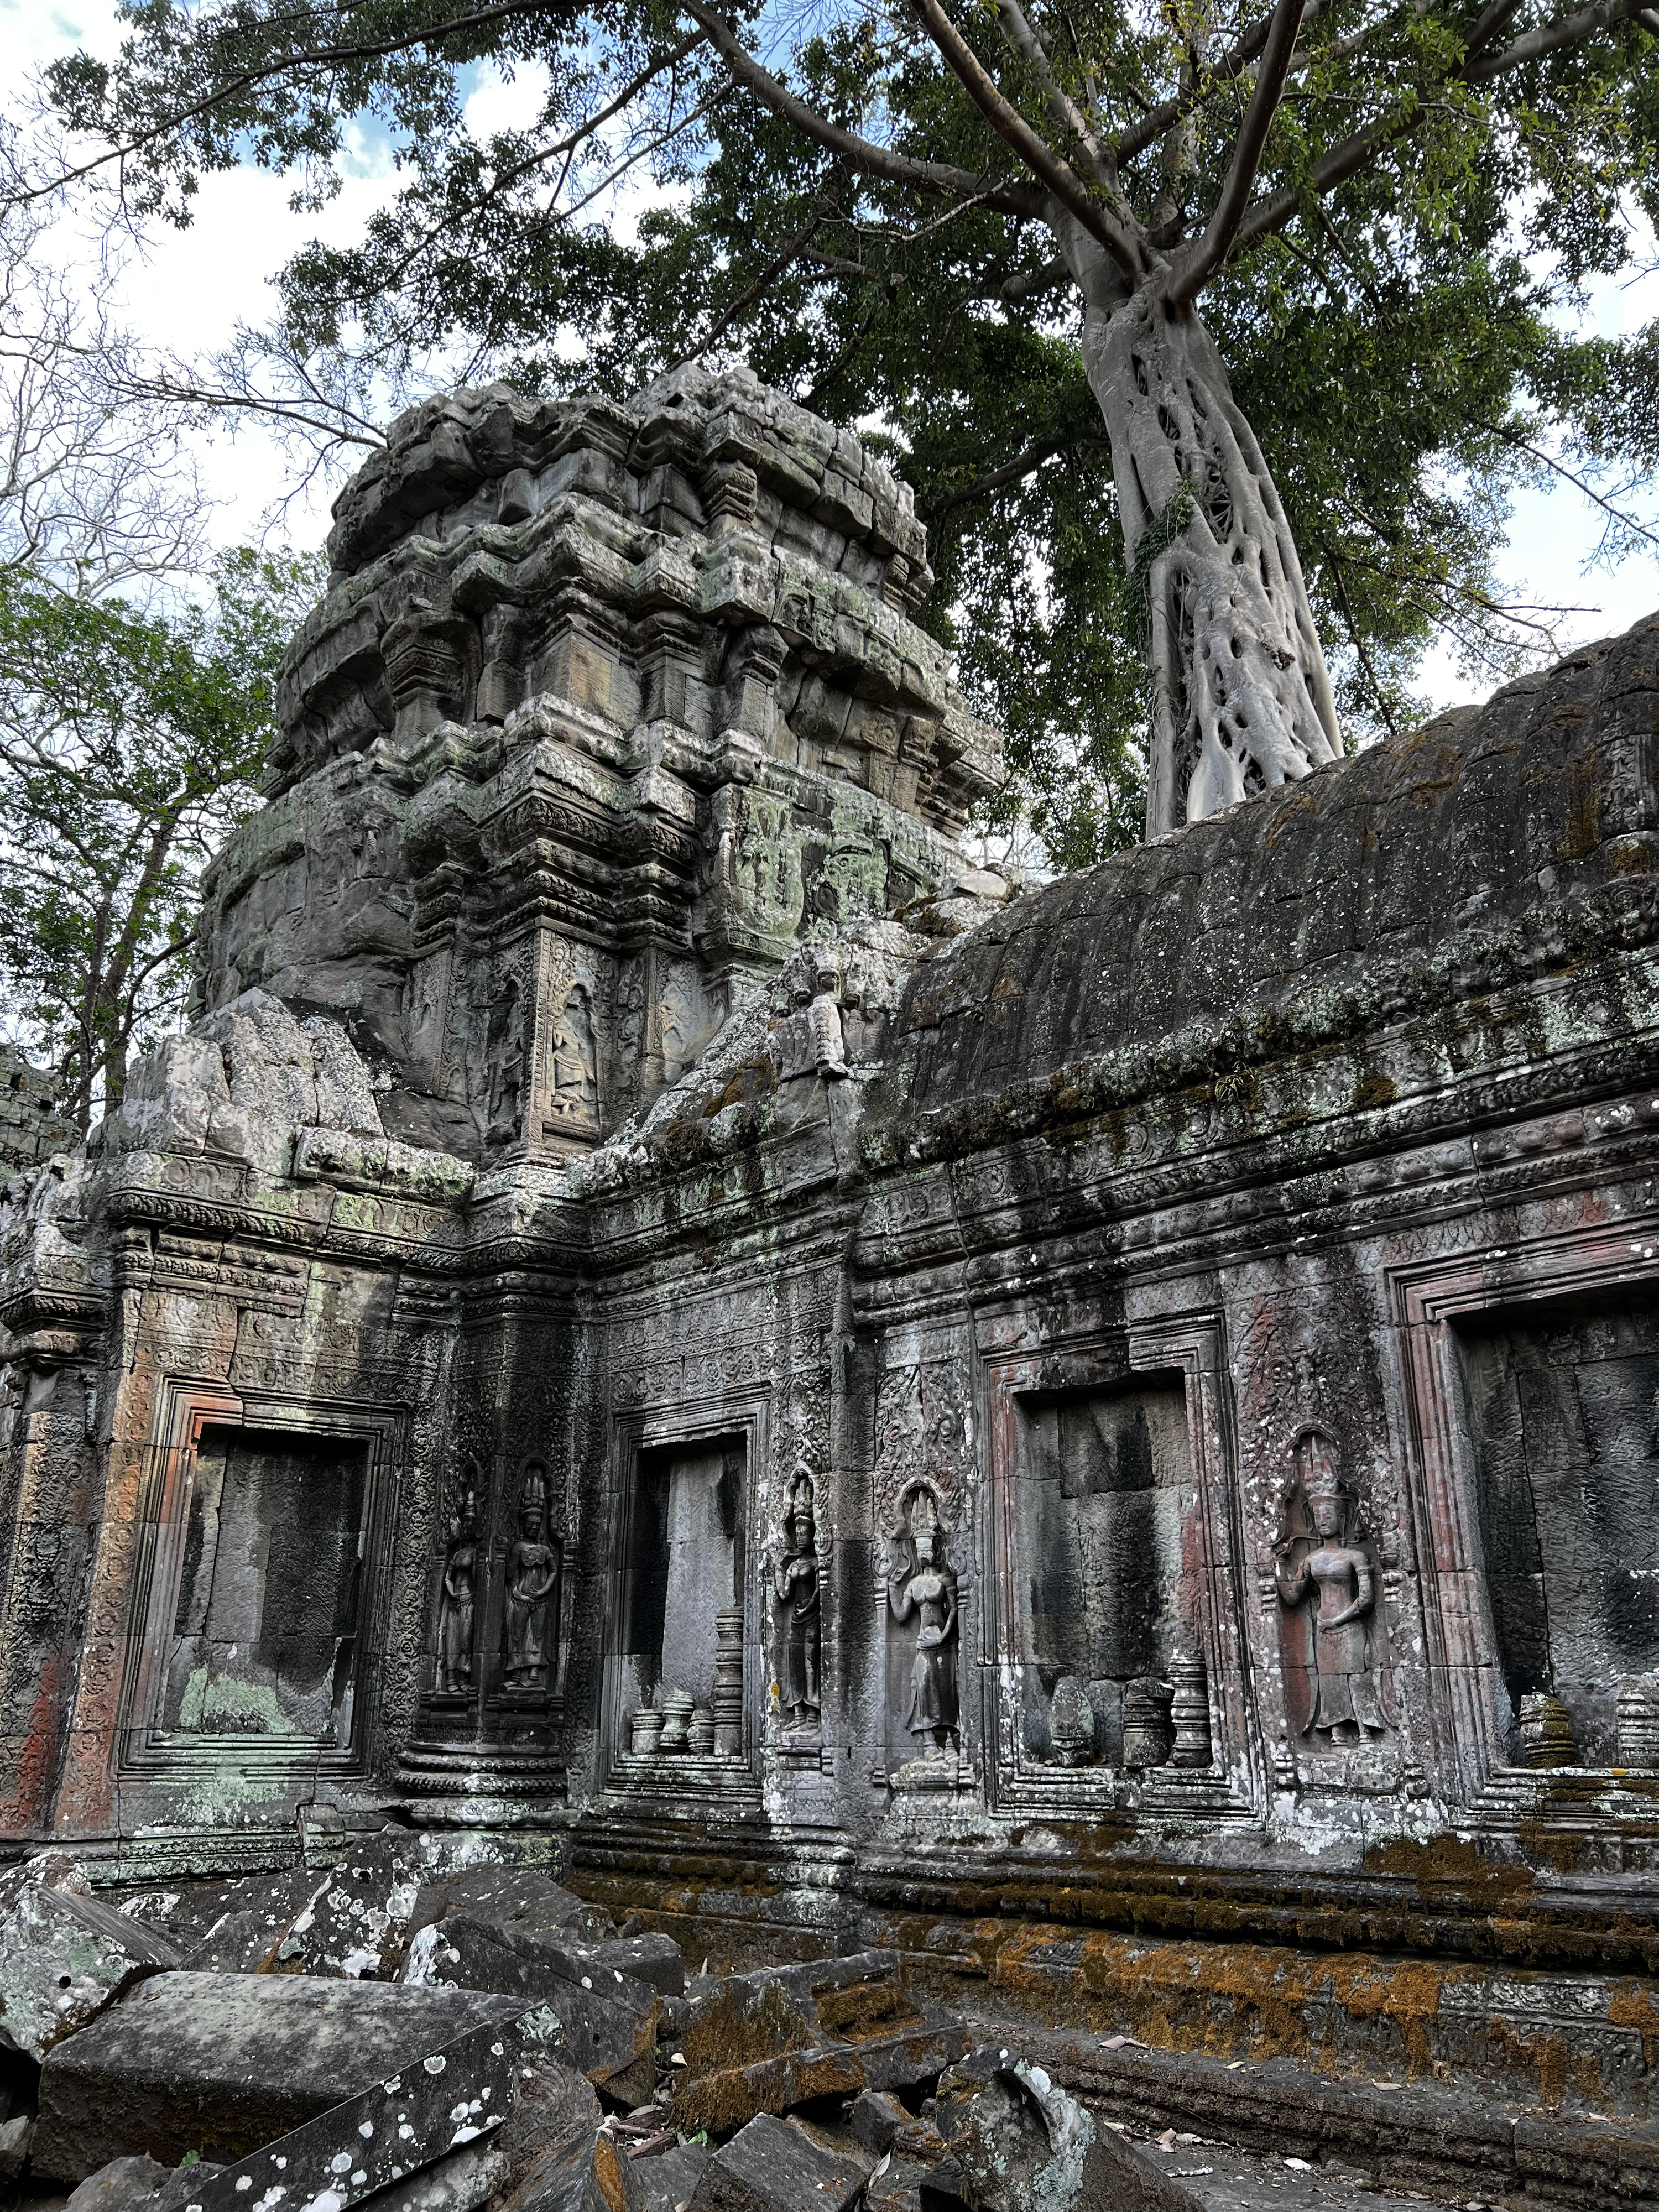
(831, 193)
(130, 743)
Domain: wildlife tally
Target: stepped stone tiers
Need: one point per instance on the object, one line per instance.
(1104, 1437)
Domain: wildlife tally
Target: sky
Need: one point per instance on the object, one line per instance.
(193, 288)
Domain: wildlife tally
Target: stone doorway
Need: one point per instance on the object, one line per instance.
(687, 1561)
(264, 1636)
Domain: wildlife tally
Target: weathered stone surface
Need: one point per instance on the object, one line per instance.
(554, 2157)
(772, 2167)
(517, 1899)
(221, 2063)
(65, 1956)
(123, 2186)
(763, 2042)
(1103, 1408)
(14, 2138)
(1022, 2144)
(610, 2019)
(670, 2178)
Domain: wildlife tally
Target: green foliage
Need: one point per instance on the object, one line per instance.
(130, 743)
(1396, 344)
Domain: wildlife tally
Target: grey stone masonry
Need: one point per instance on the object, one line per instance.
(1100, 1438)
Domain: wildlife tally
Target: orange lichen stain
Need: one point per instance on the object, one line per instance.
(1625, 857)
(1374, 1090)
(607, 2171)
(1448, 1862)
(1260, 2001)
(1633, 2005)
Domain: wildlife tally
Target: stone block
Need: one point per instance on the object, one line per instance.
(770, 2167)
(63, 1957)
(553, 2155)
(610, 2019)
(123, 2186)
(765, 2042)
(451, 2099)
(220, 2064)
(1020, 2141)
(653, 1958)
(516, 1897)
(670, 2178)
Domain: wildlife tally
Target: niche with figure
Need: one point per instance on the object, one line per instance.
(1104, 1486)
(504, 1062)
(573, 1107)
(530, 1594)
(265, 1633)
(1563, 1409)
(686, 1562)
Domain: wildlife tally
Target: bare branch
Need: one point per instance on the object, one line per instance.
(1010, 125)
(1222, 228)
(861, 155)
(779, 262)
(305, 58)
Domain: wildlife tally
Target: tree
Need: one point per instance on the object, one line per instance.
(130, 743)
(1064, 219)
(97, 491)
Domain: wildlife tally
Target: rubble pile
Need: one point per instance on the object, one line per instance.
(438, 2039)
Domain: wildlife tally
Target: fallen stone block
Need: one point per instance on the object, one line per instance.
(221, 2063)
(14, 2138)
(650, 1958)
(239, 1921)
(670, 2178)
(771, 2166)
(610, 2020)
(355, 1923)
(554, 2155)
(1020, 2141)
(123, 2186)
(430, 2108)
(515, 1897)
(65, 1956)
(765, 2042)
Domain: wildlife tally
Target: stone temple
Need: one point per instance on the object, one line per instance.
(1103, 1436)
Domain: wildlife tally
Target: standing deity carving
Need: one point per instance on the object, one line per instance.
(575, 1062)
(922, 1586)
(530, 1624)
(504, 1059)
(457, 1595)
(795, 1583)
(1319, 1551)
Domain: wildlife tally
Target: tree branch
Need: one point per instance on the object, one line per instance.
(1061, 180)
(1015, 472)
(1567, 31)
(1157, 120)
(779, 262)
(315, 57)
(1211, 250)
(1343, 161)
(862, 154)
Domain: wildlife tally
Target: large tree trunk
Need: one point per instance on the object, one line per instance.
(1241, 695)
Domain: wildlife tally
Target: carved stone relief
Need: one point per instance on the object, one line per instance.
(797, 1589)
(574, 1109)
(1328, 1579)
(922, 1603)
(530, 1612)
(457, 1590)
